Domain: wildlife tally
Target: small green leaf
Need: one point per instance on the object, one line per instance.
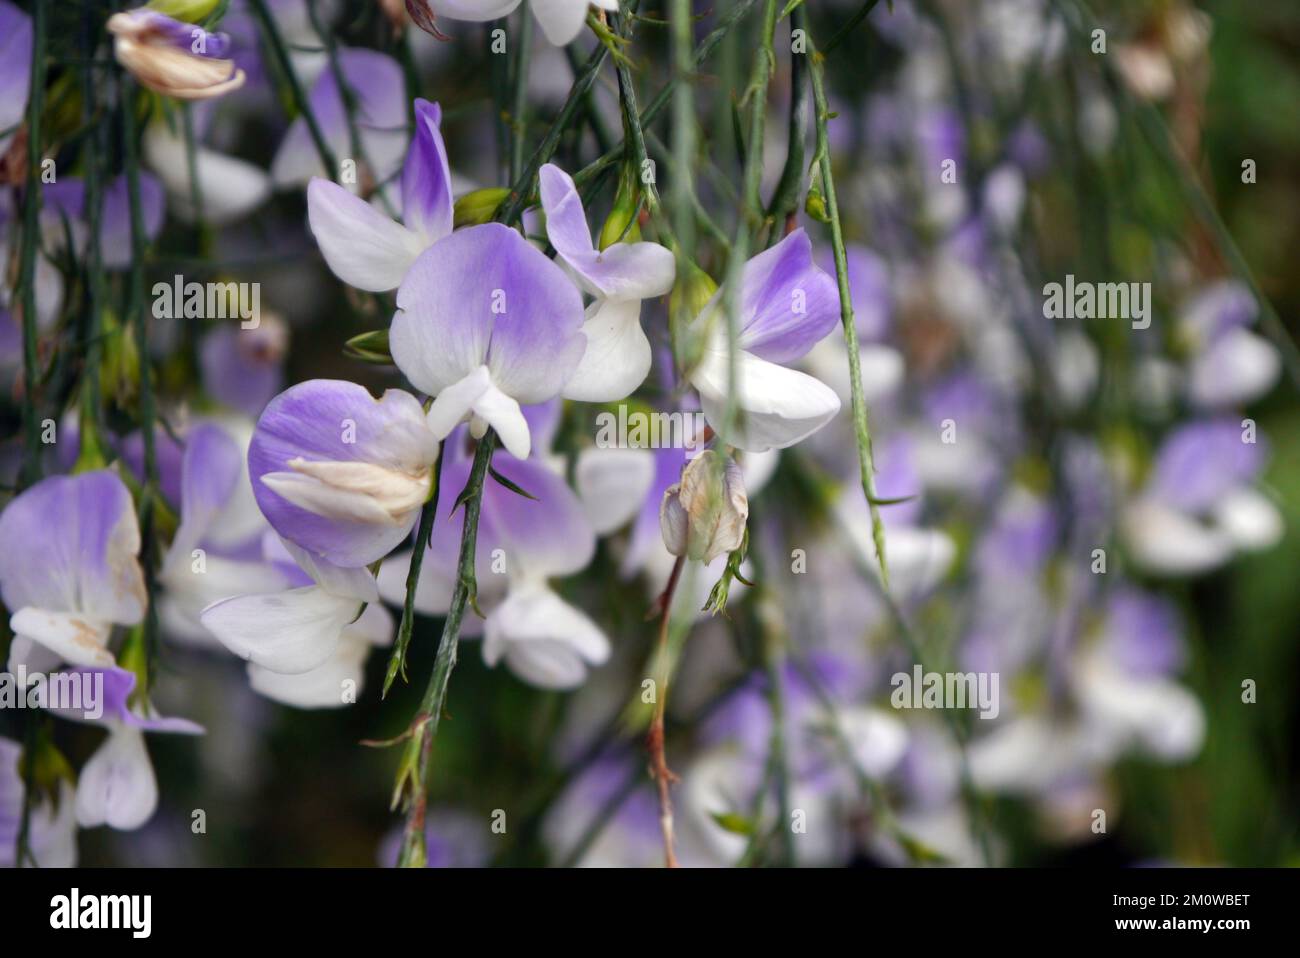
(734, 822)
(517, 490)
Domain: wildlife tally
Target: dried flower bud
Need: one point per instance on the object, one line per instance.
(173, 58)
(704, 515)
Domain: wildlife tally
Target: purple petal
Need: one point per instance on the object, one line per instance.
(243, 368)
(787, 304)
(426, 177)
(115, 227)
(331, 420)
(210, 469)
(1201, 461)
(624, 270)
(549, 536)
(1142, 632)
(169, 454)
(484, 295)
(69, 544)
(15, 66)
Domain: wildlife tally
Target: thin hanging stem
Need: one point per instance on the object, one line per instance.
(31, 470)
(862, 429)
(414, 777)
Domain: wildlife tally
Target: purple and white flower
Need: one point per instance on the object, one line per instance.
(299, 630)
(786, 305)
(1200, 507)
(339, 473)
(68, 570)
(117, 786)
(484, 323)
(618, 355)
(379, 115)
(173, 58)
(364, 247)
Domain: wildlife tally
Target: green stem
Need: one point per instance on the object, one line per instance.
(849, 24)
(148, 412)
(862, 429)
(397, 664)
(31, 470)
(661, 99)
(519, 98)
(750, 219)
(785, 201)
(280, 53)
(420, 745)
(683, 99)
(521, 193)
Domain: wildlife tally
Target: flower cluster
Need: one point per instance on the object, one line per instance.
(859, 470)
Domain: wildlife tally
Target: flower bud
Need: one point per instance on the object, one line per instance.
(191, 11)
(621, 225)
(478, 207)
(691, 293)
(173, 58)
(704, 515)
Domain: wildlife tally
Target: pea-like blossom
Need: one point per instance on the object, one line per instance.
(68, 570)
(117, 786)
(173, 58)
(620, 276)
(339, 473)
(1200, 507)
(484, 323)
(363, 246)
(786, 305)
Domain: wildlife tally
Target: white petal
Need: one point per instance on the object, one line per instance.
(878, 739)
(1165, 541)
(778, 406)
(335, 683)
(1238, 368)
(543, 639)
(362, 246)
(455, 403)
(477, 11)
(618, 355)
(503, 414)
(1159, 714)
(229, 188)
(117, 786)
(612, 485)
(326, 500)
(69, 635)
(561, 20)
(289, 632)
(1249, 519)
(345, 583)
